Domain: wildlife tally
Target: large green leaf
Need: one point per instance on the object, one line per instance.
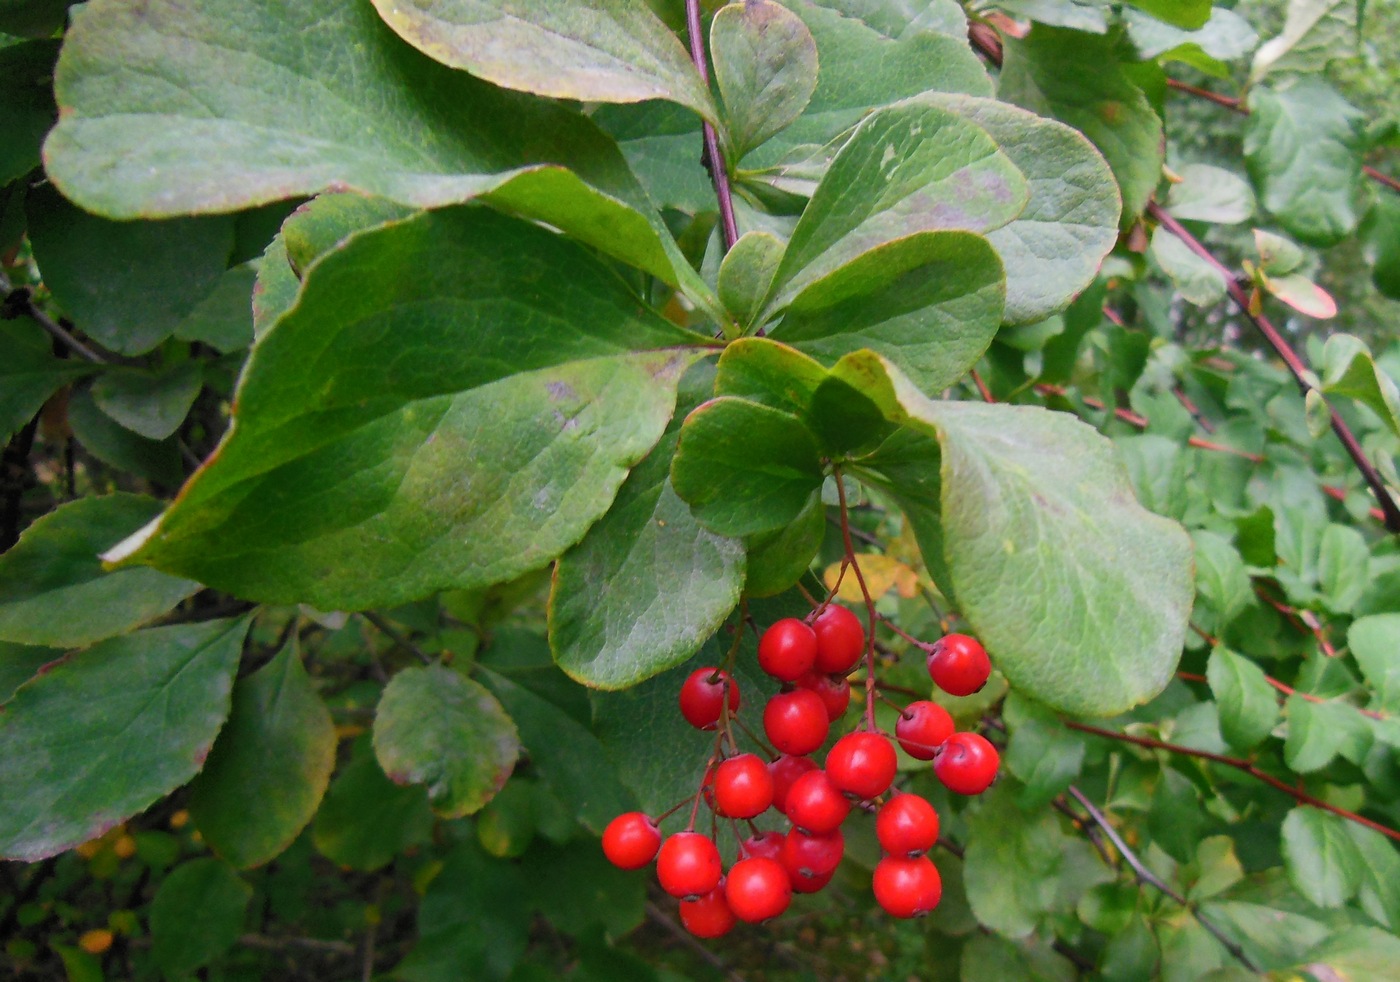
(1349, 370)
(1079, 79)
(197, 914)
(29, 373)
(911, 168)
(428, 415)
(1323, 862)
(277, 749)
(105, 732)
(53, 590)
(1303, 148)
(178, 107)
(600, 51)
(766, 66)
(434, 726)
(26, 104)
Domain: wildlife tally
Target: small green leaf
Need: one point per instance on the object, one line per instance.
(778, 558)
(1215, 869)
(153, 404)
(1303, 295)
(1277, 255)
(1012, 864)
(119, 447)
(366, 819)
(1317, 732)
(1046, 758)
(1374, 641)
(602, 51)
(436, 727)
(1248, 704)
(1380, 240)
(224, 319)
(1342, 565)
(53, 590)
(1379, 889)
(1323, 862)
(765, 62)
(1226, 37)
(19, 663)
(197, 915)
(105, 732)
(746, 273)
(1315, 32)
(29, 373)
(1221, 579)
(1356, 954)
(277, 749)
(1210, 194)
(1196, 280)
(1188, 14)
(1317, 414)
(1349, 370)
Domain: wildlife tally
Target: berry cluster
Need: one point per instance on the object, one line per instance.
(812, 658)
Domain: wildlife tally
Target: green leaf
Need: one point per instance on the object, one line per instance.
(897, 19)
(1215, 869)
(53, 590)
(1188, 14)
(153, 404)
(197, 915)
(129, 284)
(745, 468)
(1315, 32)
(346, 486)
(778, 558)
(1046, 758)
(1277, 255)
(26, 104)
(930, 303)
(1317, 732)
(29, 373)
(910, 168)
(765, 63)
(1196, 280)
(1248, 704)
(277, 749)
(32, 18)
(1356, 954)
(120, 448)
(1349, 370)
(20, 663)
(1221, 579)
(224, 319)
(366, 819)
(1052, 250)
(165, 111)
(1302, 146)
(1226, 37)
(105, 732)
(1323, 862)
(1079, 79)
(1342, 565)
(1043, 544)
(436, 727)
(1373, 641)
(746, 273)
(1379, 889)
(601, 51)
(988, 958)
(1078, 15)
(1012, 864)
(646, 586)
(1380, 241)
(1210, 194)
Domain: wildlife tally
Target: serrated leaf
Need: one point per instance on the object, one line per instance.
(463, 466)
(26, 103)
(1374, 641)
(436, 727)
(1323, 862)
(1315, 32)
(152, 404)
(197, 915)
(53, 590)
(29, 373)
(1248, 704)
(765, 63)
(601, 51)
(1317, 732)
(105, 732)
(1303, 147)
(165, 111)
(1012, 864)
(277, 749)
(365, 819)
(1210, 194)
(1349, 370)
(1079, 79)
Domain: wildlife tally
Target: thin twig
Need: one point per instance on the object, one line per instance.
(393, 634)
(341, 948)
(21, 300)
(864, 592)
(714, 158)
(1145, 875)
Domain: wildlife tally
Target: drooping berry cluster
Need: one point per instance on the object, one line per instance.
(812, 659)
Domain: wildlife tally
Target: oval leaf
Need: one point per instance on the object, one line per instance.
(766, 65)
(197, 915)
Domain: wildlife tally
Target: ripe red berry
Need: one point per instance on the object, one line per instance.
(922, 728)
(688, 865)
(958, 665)
(743, 787)
(862, 764)
(785, 770)
(796, 721)
(767, 844)
(630, 841)
(833, 690)
(810, 860)
(840, 640)
(702, 697)
(967, 763)
(757, 889)
(816, 805)
(787, 649)
(708, 916)
(906, 825)
(907, 887)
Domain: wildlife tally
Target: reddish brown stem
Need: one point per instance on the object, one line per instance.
(982, 387)
(1229, 102)
(714, 158)
(869, 601)
(1385, 179)
(1238, 764)
(1303, 620)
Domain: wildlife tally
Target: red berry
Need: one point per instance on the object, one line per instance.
(833, 690)
(796, 721)
(816, 805)
(767, 844)
(967, 763)
(702, 697)
(787, 649)
(906, 825)
(907, 887)
(630, 841)
(958, 665)
(862, 764)
(810, 860)
(840, 640)
(708, 916)
(743, 787)
(688, 865)
(757, 889)
(922, 728)
(785, 770)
